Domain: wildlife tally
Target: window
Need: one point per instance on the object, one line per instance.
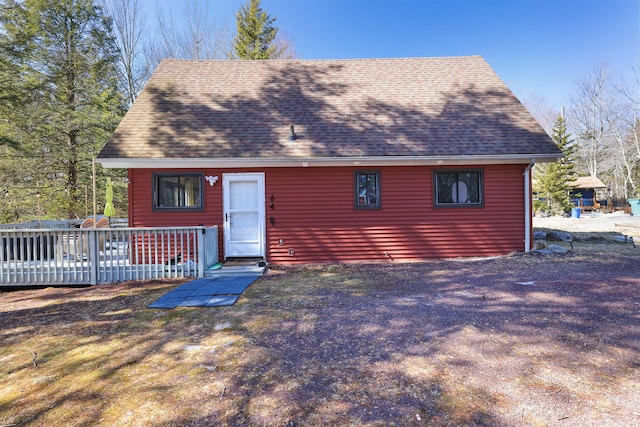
(182, 191)
(367, 190)
(458, 188)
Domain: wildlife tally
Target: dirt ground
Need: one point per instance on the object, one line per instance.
(519, 340)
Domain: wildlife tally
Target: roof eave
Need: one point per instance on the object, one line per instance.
(226, 163)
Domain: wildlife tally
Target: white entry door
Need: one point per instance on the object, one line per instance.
(244, 214)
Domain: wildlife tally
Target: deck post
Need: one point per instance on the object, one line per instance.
(201, 251)
(93, 252)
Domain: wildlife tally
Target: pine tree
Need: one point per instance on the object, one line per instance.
(556, 179)
(66, 54)
(256, 33)
(16, 88)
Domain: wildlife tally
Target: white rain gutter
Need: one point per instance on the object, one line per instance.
(527, 206)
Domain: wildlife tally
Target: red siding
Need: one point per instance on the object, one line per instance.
(313, 213)
(141, 213)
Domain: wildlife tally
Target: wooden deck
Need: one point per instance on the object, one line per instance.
(49, 257)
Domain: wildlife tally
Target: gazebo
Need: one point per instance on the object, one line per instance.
(584, 193)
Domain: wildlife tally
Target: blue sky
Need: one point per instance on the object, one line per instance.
(538, 47)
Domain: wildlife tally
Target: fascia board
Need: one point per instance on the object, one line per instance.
(222, 163)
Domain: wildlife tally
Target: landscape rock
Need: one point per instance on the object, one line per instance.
(556, 249)
(542, 252)
(539, 235)
(222, 326)
(539, 244)
(560, 236)
(551, 249)
(622, 239)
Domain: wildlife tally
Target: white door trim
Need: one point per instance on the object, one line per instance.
(254, 247)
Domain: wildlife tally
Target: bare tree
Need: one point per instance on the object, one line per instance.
(623, 120)
(202, 38)
(134, 67)
(604, 118)
(588, 116)
(631, 93)
(284, 46)
(542, 111)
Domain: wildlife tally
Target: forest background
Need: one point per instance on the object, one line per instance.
(69, 71)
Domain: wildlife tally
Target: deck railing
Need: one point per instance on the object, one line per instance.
(74, 256)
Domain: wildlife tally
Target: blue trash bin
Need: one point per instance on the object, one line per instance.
(635, 206)
(575, 212)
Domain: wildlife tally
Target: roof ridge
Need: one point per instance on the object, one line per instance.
(399, 58)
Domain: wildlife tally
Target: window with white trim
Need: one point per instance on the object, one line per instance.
(460, 188)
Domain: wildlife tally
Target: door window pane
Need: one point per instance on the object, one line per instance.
(244, 195)
(244, 227)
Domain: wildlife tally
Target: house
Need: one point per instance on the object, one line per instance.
(585, 191)
(312, 161)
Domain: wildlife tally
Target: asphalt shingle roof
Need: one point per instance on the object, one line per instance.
(587, 182)
(426, 107)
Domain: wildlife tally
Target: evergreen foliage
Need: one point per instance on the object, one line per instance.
(256, 33)
(16, 87)
(556, 178)
(59, 58)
